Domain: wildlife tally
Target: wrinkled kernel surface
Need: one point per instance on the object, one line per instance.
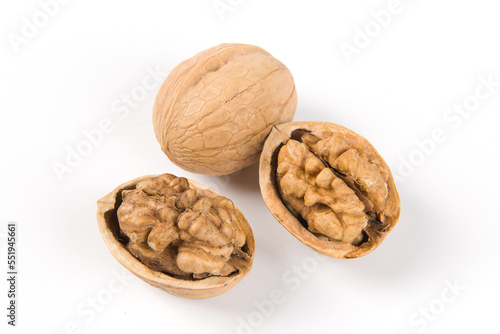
(180, 230)
(331, 183)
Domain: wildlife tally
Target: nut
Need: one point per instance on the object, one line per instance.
(177, 235)
(214, 111)
(329, 187)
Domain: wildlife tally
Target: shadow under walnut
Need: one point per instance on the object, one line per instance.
(168, 276)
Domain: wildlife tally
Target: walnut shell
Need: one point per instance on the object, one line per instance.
(198, 260)
(329, 187)
(214, 111)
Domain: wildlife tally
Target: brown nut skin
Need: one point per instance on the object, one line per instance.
(209, 287)
(214, 111)
(373, 232)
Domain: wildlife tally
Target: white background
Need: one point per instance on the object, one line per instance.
(70, 74)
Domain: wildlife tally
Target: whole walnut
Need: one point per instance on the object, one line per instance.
(215, 110)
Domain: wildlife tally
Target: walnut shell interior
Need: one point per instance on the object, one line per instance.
(177, 235)
(329, 187)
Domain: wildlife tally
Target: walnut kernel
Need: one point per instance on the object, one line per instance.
(329, 187)
(177, 235)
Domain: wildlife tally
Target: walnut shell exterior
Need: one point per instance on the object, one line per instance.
(214, 111)
(295, 200)
(208, 287)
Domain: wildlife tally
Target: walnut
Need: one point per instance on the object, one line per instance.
(214, 111)
(329, 187)
(177, 235)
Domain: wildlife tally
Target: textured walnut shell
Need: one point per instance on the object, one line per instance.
(371, 234)
(209, 287)
(214, 111)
